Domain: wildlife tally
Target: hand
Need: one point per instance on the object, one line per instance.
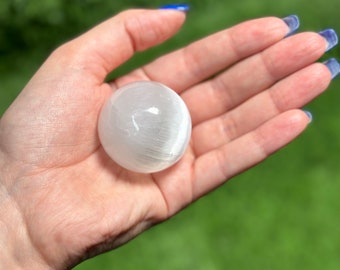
(70, 201)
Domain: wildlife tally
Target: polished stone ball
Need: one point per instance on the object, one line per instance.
(145, 127)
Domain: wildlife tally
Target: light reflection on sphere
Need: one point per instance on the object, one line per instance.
(144, 127)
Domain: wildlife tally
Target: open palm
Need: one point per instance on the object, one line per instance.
(242, 86)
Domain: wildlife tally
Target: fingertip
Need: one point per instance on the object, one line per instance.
(333, 67)
(180, 15)
(292, 22)
(309, 116)
(177, 7)
(299, 119)
(258, 34)
(153, 27)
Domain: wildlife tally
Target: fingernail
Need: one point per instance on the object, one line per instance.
(331, 37)
(179, 7)
(309, 115)
(292, 22)
(333, 66)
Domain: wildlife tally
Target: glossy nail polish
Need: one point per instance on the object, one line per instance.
(309, 115)
(179, 7)
(333, 66)
(331, 37)
(292, 22)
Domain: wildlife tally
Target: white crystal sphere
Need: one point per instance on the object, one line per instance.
(145, 127)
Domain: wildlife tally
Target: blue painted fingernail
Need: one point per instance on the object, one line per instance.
(331, 37)
(292, 22)
(309, 115)
(179, 7)
(333, 66)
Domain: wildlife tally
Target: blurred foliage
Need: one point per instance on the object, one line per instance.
(29, 24)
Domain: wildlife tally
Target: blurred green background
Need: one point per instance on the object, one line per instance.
(283, 214)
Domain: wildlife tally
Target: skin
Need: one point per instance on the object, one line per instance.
(62, 200)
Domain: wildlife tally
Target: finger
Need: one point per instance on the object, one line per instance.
(253, 75)
(204, 58)
(113, 42)
(214, 168)
(291, 93)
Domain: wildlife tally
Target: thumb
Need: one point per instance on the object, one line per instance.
(111, 43)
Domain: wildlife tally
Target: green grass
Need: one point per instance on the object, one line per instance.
(283, 214)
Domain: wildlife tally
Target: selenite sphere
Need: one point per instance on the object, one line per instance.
(145, 127)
